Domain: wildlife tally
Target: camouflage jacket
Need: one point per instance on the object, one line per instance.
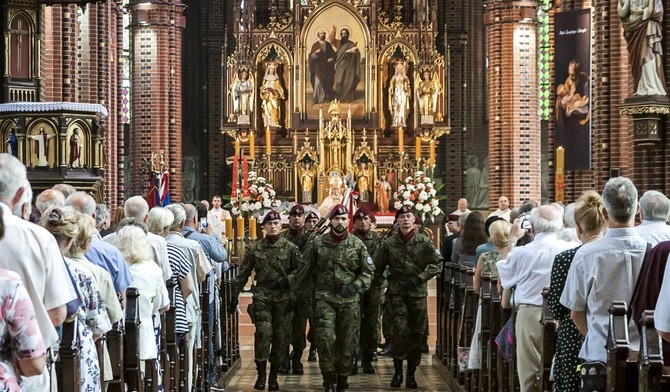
(300, 241)
(332, 265)
(270, 262)
(416, 258)
(370, 240)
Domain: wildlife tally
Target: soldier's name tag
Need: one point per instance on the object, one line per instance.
(370, 262)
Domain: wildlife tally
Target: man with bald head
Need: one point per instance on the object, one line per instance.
(503, 210)
(462, 207)
(65, 189)
(528, 268)
(48, 198)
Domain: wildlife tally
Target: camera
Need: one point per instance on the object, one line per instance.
(203, 222)
(525, 222)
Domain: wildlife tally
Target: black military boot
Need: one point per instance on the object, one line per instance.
(328, 381)
(354, 364)
(273, 385)
(396, 382)
(366, 362)
(410, 383)
(297, 363)
(342, 383)
(260, 382)
(312, 353)
(285, 367)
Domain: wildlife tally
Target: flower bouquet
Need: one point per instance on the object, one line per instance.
(261, 198)
(420, 193)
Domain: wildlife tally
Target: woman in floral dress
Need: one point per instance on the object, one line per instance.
(22, 351)
(92, 318)
(590, 226)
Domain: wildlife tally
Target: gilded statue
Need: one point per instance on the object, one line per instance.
(272, 94)
(242, 90)
(399, 96)
(383, 190)
(335, 194)
(307, 181)
(427, 90)
(363, 182)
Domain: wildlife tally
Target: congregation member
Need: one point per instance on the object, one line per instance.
(48, 198)
(488, 245)
(102, 219)
(654, 211)
(528, 268)
(569, 231)
(271, 259)
(462, 207)
(604, 271)
(411, 261)
(453, 231)
(472, 235)
(503, 210)
(590, 226)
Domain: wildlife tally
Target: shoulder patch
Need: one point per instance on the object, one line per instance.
(370, 262)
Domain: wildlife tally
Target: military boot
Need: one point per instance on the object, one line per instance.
(297, 363)
(396, 382)
(354, 364)
(410, 383)
(273, 385)
(312, 353)
(328, 381)
(285, 367)
(260, 382)
(366, 362)
(342, 383)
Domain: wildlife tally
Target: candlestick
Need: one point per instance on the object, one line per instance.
(417, 149)
(252, 228)
(401, 140)
(229, 227)
(240, 226)
(252, 145)
(245, 176)
(237, 147)
(432, 152)
(560, 158)
(233, 194)
(268, 137)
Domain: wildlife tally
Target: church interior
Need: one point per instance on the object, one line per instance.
(318, 102)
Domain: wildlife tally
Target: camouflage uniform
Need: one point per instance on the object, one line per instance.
(271, 262)
(417, 258)
(334, 265)
(302, 301)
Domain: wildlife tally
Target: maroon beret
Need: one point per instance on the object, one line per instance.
(453, 218)
(270, 216)
(312, 215)
(339, 210)
(297, 209)
(418, 220)
(403, 210)
(360, 214)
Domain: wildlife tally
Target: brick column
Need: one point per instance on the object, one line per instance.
(156, 29)
(514, 126)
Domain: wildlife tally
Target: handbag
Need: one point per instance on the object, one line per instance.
(506, 339)
(462, 353)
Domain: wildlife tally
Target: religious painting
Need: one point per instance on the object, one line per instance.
(42, 145)
(335, 44)
(75, 148)
(20, 46)
(572, 64)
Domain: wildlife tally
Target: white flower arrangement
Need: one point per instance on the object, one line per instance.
(420, 193)
(261, 198)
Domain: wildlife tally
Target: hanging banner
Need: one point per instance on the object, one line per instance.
(572, 72)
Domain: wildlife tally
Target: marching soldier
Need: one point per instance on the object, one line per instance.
(341, 268)
(412, 260)
(273, 258)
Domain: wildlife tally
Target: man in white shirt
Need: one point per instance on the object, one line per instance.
(33, 253)
(462, 207)
(529, 269)
(216, 218)
(654, 210)
(606, 270)
(503, 210)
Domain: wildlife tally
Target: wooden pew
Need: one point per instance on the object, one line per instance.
(621, 372)
(133, 374)
(485, 337)
(549, 337)
(471, 302)
(494, 314)
(454, 309)
(202, 363)
(171, 363)
(115, 347)
(67, 367)
(651, 375)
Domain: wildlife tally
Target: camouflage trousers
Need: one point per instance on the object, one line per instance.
(302, 311)
(386, 317)
(409, 326)
(271, 336)
(335, 326)
(369, 325)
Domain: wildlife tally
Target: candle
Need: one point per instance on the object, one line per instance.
(252, 145)
(560, 160)
(237, 147)
(229, 227)
(252, 228)
(432, 152)
(401, 140)
(240, 226)
(268, 137)
(245, 176)
(417, 149)
(233, 195)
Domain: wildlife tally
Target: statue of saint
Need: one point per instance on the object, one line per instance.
(75, 149)
(13, 143)
(363, 182)
(383, 189)
(427, 89)
(243, 96)
(272, 93)
(307, 182)
(642, 22)
(42, 146)
(399, 95)
(335, 194)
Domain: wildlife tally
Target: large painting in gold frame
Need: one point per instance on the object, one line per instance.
(334, 68)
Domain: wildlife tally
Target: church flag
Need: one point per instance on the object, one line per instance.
(152, 195)
(163, 196)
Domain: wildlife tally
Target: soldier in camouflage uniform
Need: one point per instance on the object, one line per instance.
(342, 269)
(272, 258)
(369, 334)
(311, 221)
(412, 260)
(302, 298)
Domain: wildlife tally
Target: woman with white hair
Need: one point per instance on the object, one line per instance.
(147, 276)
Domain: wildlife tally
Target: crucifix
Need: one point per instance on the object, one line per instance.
(19, 33)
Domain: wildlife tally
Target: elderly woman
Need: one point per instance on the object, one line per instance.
(590, 226)
(147, 276)
(93, 320)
